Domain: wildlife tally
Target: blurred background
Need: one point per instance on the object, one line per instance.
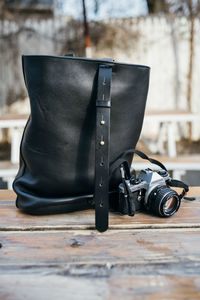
(163, 34)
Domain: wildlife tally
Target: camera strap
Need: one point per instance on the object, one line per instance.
(121, 159)
(179, 184)
(128, 195)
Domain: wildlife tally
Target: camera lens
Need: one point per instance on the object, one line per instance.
(163, 201)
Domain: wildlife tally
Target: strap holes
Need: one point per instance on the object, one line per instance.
(101, 204)
(100, 184)
(101, 164)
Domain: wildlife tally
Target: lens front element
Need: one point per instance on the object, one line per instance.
(163, 201)
(169, 204)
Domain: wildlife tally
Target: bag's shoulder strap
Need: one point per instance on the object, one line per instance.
(102, 144)
(102, 147)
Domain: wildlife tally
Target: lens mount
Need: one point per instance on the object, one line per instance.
(163, 201)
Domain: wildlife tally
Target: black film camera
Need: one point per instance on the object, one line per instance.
(149, 190)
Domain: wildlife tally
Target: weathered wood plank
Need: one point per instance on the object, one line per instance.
(12, 219)
(140, 283)
(90, 247)
(152, 264)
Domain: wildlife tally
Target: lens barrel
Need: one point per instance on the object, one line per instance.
(163, 201)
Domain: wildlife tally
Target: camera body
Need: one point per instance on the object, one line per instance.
(151, 192)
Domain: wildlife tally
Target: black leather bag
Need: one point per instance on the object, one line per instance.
(84, 114)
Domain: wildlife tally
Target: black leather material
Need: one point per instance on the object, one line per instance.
(57, 153)
(102, 149)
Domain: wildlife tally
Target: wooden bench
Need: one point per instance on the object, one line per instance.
(168, 121)
(8, 171)
(14, 122)
(63, 257)
(178, 165)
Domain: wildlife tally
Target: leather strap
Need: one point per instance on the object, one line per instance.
(122, 158)
(103, 104)
(178, 183)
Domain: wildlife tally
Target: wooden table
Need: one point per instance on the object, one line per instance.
(63, 257)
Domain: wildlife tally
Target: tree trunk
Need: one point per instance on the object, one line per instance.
(157, 6)
(190, 71)
(87, 40)
(176, 79)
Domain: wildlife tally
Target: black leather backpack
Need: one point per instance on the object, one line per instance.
(84, 114)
